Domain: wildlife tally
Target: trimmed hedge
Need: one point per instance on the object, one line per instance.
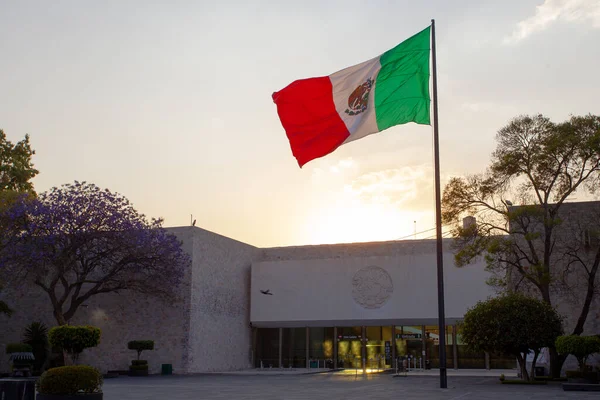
(18, 348)
(74, 339)
(140, 345)
(139, 362)
(579, 346)
(70, 380)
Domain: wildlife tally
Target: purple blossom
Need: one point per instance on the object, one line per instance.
(78, 240)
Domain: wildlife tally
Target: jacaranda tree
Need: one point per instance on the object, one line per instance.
(79, 241)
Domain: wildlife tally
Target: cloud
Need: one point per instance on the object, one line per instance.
(346, 165)
(404, 187)
(552, 11)
(486, 106)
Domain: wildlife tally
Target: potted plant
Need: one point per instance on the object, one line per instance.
(581, 347)
(72, 382)
(139, 367)
(21, 358)
(73, 340)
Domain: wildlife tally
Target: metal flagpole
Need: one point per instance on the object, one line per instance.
(438, 220)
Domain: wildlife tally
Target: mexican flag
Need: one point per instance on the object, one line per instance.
(320, 114)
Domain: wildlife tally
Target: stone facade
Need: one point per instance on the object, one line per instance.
(207, 330)
(210, 328)
(219, 320)
(370, 284)
(575, 249)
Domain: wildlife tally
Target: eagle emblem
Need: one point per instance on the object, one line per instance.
(359, 98)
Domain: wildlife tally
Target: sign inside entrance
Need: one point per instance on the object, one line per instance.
(408, 336)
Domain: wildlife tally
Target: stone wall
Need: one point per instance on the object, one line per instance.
(219, 332)
(208, 330)
(121, 316)
(361, 284)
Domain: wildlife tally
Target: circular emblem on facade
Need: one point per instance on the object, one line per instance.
(372, 287)
(359, 98)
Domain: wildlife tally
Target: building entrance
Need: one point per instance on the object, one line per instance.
(349, 347)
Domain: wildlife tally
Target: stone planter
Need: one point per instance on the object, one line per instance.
(580, 387)
(86, 396)
(138, 372)
(582, 377)
(17, 388)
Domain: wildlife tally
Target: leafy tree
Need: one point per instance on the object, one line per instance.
(16, 172)
(580, 346)
(512, 324)
(79, 241)
(140, 345)
(16, 168)
(539, 165)
(74, 339)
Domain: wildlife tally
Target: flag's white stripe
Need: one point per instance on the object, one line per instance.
(344, 82)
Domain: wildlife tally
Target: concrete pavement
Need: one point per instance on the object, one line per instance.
(328, 386)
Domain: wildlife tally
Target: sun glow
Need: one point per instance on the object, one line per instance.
(353, 220)
(354, 202)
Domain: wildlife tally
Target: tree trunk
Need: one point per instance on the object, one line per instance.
(60, 319)
(523, 365)
(556, 362)
(535, 357)
(67, 358)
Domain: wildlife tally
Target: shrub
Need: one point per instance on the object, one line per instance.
(70, 380)
(511, 324)
(139, 362)
(74, 339)
(18, 348)
(36, 335)
(140, 345)
(579, 346)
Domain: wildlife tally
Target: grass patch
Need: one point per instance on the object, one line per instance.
(522, 382)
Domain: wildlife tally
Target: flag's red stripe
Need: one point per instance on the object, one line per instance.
(308, 115)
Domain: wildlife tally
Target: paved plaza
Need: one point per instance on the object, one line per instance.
(327, 386)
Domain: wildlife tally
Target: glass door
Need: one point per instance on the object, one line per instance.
(349, 345)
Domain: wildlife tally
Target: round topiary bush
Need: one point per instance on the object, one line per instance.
(70, 380)
(140, 345)
(74, 339)
(579, 346)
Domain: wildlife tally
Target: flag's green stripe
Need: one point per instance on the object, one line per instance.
(402, 87)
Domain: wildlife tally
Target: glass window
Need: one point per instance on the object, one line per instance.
(321, 346)
(349, 347)
(293, 351)
(409, 341)
(378, 347)
(432, 346)
(267, 348)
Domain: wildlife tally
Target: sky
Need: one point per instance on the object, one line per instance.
(169, 103)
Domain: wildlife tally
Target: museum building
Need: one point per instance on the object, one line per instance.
(362, 306)
(353, 306)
